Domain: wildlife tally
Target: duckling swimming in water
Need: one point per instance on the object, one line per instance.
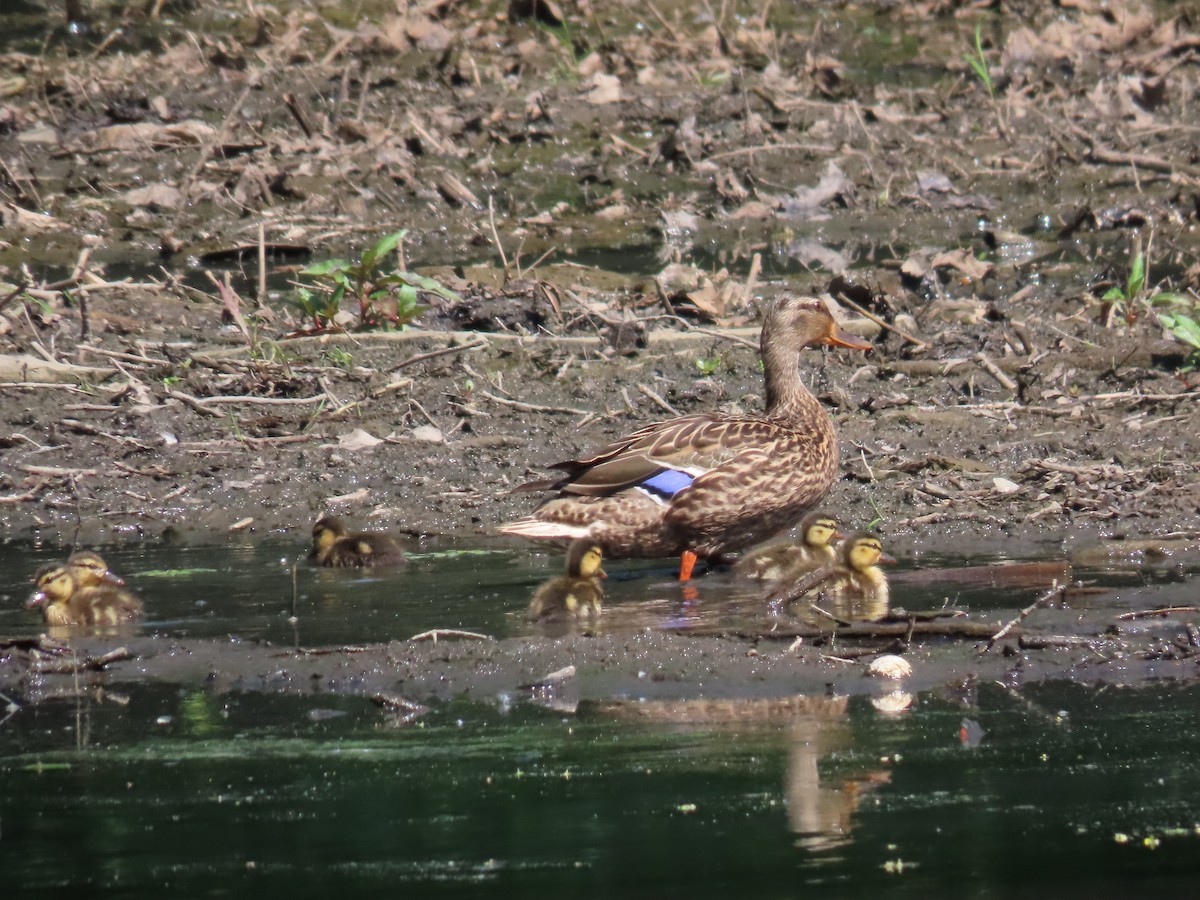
(854, 586)
(89, 599)
(576, 595)
(334, 545)
(791, 559)
(89, 570)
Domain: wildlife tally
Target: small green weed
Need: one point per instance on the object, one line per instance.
(386, 299)
(977, 61)
(708, 364)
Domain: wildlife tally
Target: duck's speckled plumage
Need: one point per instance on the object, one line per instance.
(731, 481)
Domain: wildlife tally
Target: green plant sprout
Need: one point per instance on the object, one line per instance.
(978, 62)
(387, 299)
(1179, 318)
(706, 365)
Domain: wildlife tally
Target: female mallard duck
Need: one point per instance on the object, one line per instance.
(855, 586)
(790, 559)
(577, 594)
(67, 601)
(709, 483)
(333, 545)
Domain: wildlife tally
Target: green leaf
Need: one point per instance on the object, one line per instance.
(382, 248)
(1185, 328)
(326, 268)
(1113, 293)
(1137, 276)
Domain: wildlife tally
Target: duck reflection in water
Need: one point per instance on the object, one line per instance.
(820, 809)
(576, 595)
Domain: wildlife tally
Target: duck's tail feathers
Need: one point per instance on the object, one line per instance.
(536, 528)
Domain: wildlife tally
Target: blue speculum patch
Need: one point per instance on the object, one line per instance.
(668, 482)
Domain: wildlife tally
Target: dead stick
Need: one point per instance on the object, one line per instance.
(921, 345)
(434, 633)
(433, 354)
(992, 369)
(1160, 611)
(1055, 591)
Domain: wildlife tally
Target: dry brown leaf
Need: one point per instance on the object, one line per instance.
(163, 196)
(965, 261)
(603, 89)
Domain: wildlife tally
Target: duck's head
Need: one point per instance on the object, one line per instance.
(584, 559)
(52, 584)
(326, 532)
(863, 551)
(799, 322)
(88, 568)
(819, 530)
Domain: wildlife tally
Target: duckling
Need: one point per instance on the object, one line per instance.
(334, 546)
(89, 570)
(577, 594)
(791, 559)
(857, 575)
(854, 587)
(64, 601)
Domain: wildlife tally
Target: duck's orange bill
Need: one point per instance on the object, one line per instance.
(886, 558)
(842, 338)
(687, 562)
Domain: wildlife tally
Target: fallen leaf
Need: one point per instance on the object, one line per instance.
(358, 439)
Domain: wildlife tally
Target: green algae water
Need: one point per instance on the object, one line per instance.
(138, 788)
(1074, 791)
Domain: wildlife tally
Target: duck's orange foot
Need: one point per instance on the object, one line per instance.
(687, 562)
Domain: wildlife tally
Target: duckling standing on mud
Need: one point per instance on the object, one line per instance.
(790, 559)
(576, 595)
(82, 591)
(334, 546)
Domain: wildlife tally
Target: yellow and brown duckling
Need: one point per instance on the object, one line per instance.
(791, 559)
(711, 483)
(82, 591)
(334, 545)
(576, 595)
(857, 575)
(854, 587)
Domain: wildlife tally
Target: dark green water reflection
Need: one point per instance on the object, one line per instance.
(199, 794)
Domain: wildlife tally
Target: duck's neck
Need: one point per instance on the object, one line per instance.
(787, 397)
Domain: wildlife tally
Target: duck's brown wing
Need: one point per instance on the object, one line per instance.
(691, 445)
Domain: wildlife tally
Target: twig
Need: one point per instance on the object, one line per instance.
(920, 344)
(534, 407)
(433, 354)
(992, 369)
(87, 664)
(55, 471)
(659, 401)
(434, 633)
(1055, 591)
(1160, 611)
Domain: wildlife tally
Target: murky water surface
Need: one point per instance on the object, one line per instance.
(1078, 790)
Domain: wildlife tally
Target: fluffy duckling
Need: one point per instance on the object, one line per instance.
(334, 546)
(66, 601)
(857, 588)
(791, 559)
(576, 595)
(89, 570)
(854, 587)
